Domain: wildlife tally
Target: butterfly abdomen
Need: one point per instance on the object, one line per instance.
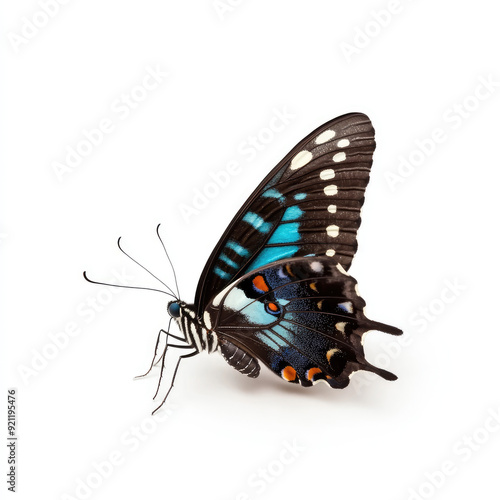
(239, 359)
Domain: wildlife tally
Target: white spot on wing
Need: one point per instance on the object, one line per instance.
(317, 266)
(332, 209)
(340, 326)
(332, 230)
(338, 157)
(347, 306)
(329, 173)
(301, 159)
(325, 136)
(330, 252)
(343, 143)
(331, 190)
(341, 269)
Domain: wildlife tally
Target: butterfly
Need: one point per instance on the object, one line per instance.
(275, 290)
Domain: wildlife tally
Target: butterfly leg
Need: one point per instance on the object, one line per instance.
(184, 356)
(163, 363)
(176, 337)
(155, 361)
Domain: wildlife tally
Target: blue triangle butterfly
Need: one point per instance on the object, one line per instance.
(275, 290)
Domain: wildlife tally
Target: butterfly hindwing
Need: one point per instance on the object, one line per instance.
(302, 317)
(309, 204)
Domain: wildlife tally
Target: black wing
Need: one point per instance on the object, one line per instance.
(309, 204)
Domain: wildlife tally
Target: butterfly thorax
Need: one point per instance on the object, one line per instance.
(194, 330)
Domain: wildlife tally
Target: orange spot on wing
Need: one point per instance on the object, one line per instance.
(289, 374)
(313, 287)
(260, 284)
(272, 306)
(311, 372)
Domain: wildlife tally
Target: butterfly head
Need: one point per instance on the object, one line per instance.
(177, 309)
(174, 308)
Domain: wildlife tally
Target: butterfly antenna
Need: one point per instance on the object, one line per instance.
(126, 286)
(147, 270)
(168, 257)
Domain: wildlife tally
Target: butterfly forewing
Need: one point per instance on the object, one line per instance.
(302, 317)
(309, 204)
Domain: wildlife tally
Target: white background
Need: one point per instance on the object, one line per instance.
(431, 236)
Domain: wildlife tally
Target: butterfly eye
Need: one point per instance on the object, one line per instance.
(174, 309)
(273, 308)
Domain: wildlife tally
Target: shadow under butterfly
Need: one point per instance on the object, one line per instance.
(275, 289)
